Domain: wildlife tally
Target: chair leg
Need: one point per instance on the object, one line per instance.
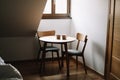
(52, 56)
(62, 65)
(38, 56)
(58, 60)
(42, 63)
(62, 55)
(76, 62)
(84, 64)
(68, 64)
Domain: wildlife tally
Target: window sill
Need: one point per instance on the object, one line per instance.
(56, 17)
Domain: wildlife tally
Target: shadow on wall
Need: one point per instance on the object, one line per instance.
(20, 17)
(20, 48)
(98, 55)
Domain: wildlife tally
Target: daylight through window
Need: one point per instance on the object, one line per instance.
(56, 9)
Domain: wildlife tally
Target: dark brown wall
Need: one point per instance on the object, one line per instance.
(20, 17)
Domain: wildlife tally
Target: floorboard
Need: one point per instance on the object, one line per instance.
(30, 71)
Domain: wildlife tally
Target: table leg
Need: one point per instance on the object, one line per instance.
(62, 55)
(67, 59)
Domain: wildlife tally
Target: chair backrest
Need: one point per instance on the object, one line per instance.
(81, 38)
(46, 33)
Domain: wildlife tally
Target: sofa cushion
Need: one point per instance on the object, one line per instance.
(9, 71)
(2, 61)
(10, 79)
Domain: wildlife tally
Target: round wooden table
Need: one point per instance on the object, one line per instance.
(53, 39)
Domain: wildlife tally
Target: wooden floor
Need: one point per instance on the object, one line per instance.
(30, 71)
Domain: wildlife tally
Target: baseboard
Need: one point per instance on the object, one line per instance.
(32, 60)
(88, 68)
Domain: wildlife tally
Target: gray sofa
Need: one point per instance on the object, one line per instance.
(9, 72)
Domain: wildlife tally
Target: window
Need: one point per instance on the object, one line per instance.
(56, 9)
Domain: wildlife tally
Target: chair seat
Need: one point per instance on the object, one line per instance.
(74, 52)
(50, 48)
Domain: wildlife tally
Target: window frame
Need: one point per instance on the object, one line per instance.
(58, 16)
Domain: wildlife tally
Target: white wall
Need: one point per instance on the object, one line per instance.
(62, 26)
(90, 17)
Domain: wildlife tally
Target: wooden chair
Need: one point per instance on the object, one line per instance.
(49, 48)
(76, 52)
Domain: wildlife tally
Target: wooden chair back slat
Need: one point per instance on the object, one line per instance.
(81, 38)
(46, 33)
